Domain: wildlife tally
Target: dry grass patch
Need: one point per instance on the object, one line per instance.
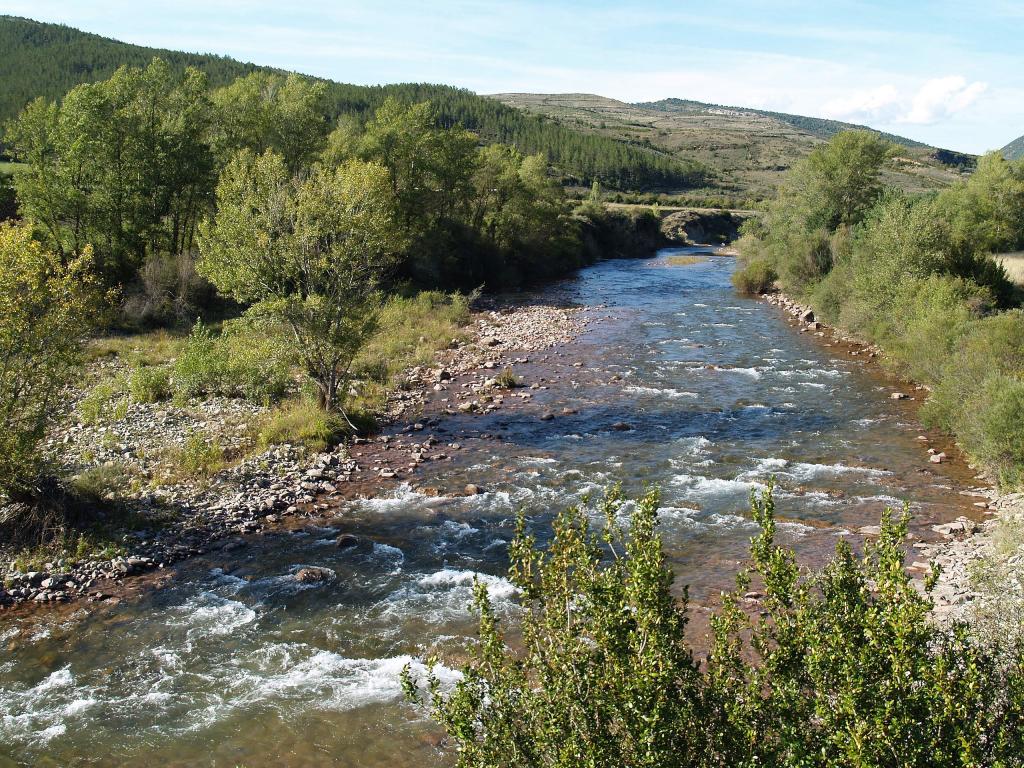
(685, 261)
(1013, 263)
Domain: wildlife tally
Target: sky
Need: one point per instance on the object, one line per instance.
(947, 73)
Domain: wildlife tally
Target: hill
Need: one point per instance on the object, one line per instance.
(749, 150)
(47, 60)
(1015, 149)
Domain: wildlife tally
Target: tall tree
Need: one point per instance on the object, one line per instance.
(311, 252)
(123, 165)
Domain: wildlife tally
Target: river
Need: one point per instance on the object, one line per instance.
(237, 663)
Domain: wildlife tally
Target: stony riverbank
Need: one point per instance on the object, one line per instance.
(966, 545)
(172, 521)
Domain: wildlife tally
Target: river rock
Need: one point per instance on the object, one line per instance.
(346, 541)
(621, 426)
(314, 575)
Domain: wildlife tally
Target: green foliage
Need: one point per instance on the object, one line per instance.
(46, 308)
(150, 384)
(605, 677)
(991, 427)
(507, 379)
(267, 111)
(914, 275)
(200, 456)
(309, 253)
(302, 422)
(837, 668)
(122, 164)
(102, 403)
(987, 210)
(250, 359)
(992, 345)
(202, 365)
(755, 277)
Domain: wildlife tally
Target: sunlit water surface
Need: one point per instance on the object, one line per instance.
(236, 663)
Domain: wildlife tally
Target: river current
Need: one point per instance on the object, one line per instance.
(237, 663)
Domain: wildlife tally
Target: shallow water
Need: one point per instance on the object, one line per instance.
(235, 663)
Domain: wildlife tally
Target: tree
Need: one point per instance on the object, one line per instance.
(47, 305)
(264, 111)
(839, 181)
(122, 165)
(311, 252)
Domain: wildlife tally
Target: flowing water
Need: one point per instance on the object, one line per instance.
(236, 663)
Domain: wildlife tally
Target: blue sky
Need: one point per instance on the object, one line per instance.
(948, 73)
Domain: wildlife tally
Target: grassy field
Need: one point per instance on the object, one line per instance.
(1013, 263)
(749, 152)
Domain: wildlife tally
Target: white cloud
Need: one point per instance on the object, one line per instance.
(942, 97)
(934, 101)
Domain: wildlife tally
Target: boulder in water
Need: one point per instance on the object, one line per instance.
(314, 575)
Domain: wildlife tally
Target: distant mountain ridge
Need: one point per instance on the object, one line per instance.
(819, 126)
(749, 150)
(1015, 149)
(41, 59)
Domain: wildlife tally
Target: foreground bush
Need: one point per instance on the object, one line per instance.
(838, 668)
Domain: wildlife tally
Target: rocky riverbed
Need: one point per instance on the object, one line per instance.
(178, 520)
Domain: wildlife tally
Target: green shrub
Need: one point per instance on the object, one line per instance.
(302, 422)
(927, 323)
(259, 361)
(755, 277)
(201, 367)
(201, 456)
(991, 427)
(101, 402)
(150, 383)
(991, 345)
(248, 359)
(507, 379)
(102, 481)
(842, 667)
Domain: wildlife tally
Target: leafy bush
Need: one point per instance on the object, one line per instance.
(991, 427)
(102, 403)
(150, 383)
(259, 361)
(248, 359)
(507, 379)
(926, 324)
(991, 345)
(200, 368)
(755, 277)
(837, 668)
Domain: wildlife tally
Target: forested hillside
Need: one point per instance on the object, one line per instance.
(49, 59)
(749, 151)
(1015, 149)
